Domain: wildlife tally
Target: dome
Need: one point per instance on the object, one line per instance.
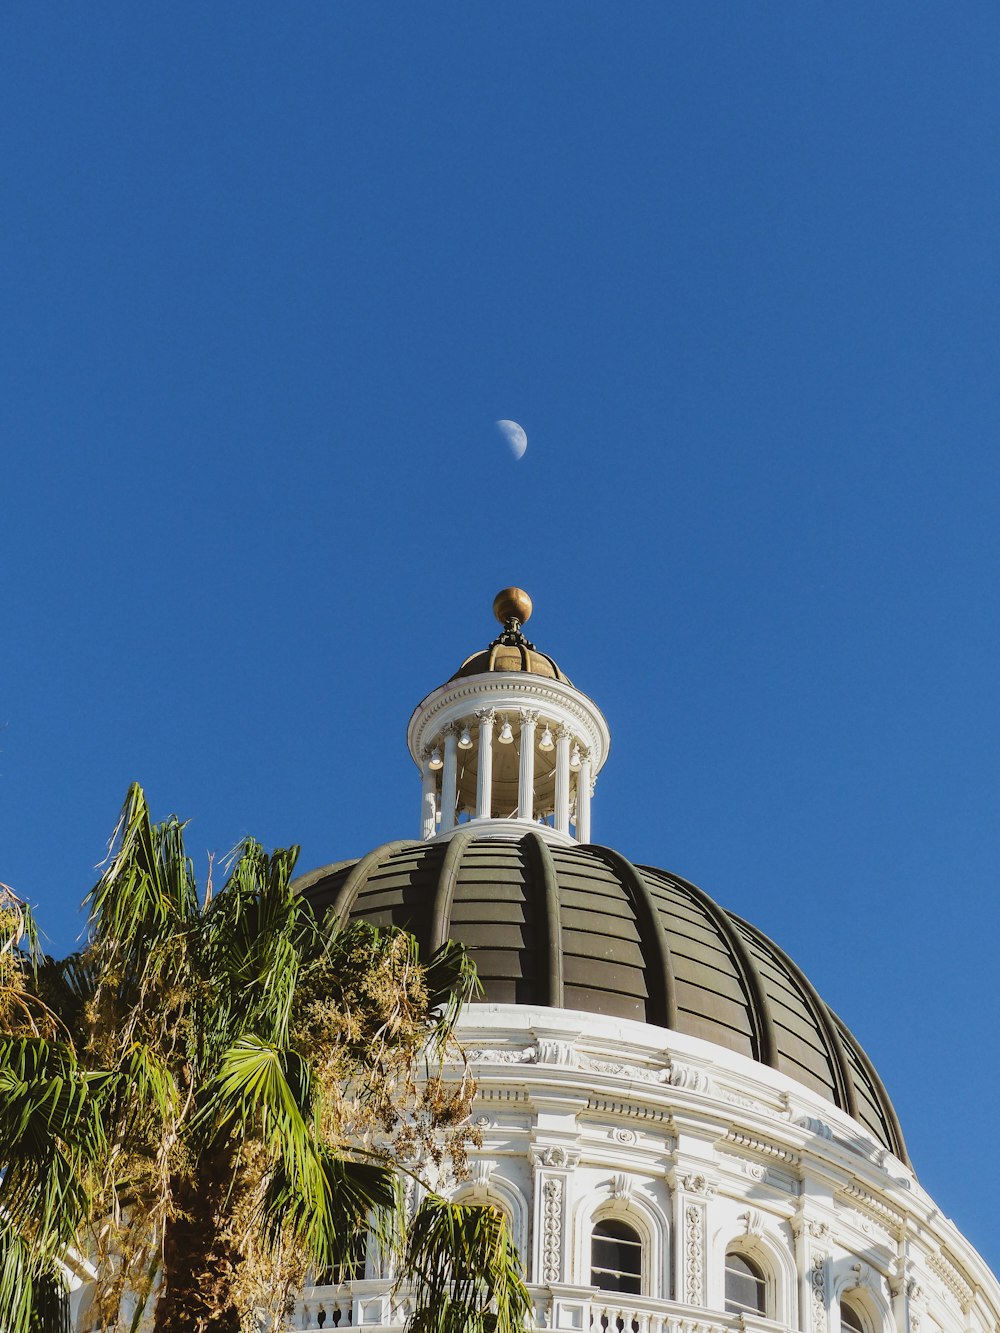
(581, 928)
(501, 656)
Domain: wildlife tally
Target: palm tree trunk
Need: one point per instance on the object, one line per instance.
(200, 1261)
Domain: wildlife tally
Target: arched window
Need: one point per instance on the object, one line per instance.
(616, 1257)
(745, 1285)
(351, 1268)
(850, 1320)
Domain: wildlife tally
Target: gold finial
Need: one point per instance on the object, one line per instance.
(512, 604)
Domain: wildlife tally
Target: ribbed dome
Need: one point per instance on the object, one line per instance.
(502, 656)
(580, 927)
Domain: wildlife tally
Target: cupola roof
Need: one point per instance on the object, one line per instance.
(510, 650)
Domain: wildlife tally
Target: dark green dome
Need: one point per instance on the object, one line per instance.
(582, 928)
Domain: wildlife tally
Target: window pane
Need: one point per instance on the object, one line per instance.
(616, 1258)
(744, 1286)
(850, 1320)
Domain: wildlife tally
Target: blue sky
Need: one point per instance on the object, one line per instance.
(270, 273)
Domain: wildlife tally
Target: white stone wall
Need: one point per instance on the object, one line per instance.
(699, 1150)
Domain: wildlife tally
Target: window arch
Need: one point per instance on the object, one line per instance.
(616, 1257)
(746, 1285)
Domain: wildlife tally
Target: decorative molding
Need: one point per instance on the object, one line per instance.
(952, 1279)
(699, 1184)
(555, 1157)
(482, 1122)
(753, 1222)
(752, 1170)
(762, 1146)
(817, 1285)
(694, 1255)
(551, 1052)
(621, 1185)
(498, 1055)
(687, 1077)
(818, 1127)
(607, 1105)
(637, 1073)
(480, 1172)
(624, 1136)
(889, 1217)
(552, 1194)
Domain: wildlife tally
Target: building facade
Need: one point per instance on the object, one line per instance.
(682, 1134)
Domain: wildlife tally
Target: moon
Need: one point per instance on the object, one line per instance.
(515, 437)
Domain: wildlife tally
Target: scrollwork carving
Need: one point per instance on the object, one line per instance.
(552, 1193)
(694, 1257)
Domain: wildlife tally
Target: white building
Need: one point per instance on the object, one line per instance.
(682, 1134)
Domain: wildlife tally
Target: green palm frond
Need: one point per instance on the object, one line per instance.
(253, 938)
(32, 1293)
(148, 888)
(353, 1199)
(51, 1132)
(263, 1091)
(465, 1270)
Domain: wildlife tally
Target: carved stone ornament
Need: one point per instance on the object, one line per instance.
(552, 1193)
(529, 717)
(818, 1127)
(480, 1171)
(487, 715)
(496, 1055)
(636, 1073)
(555, 1157)
(818, 1230)
(625, 1136)
(621, 1185)
(555, 1052)
(698, 1184)
(482, 1122)
(687, 1077)
(817, 1284)
(694, 1255)
(753, 1222)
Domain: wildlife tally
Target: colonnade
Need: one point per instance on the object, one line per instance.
(439, 812)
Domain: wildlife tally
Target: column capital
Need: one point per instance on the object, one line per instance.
(487, 715)
(529, 716)
(563, 732)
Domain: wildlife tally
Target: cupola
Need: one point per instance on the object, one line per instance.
(508, 743)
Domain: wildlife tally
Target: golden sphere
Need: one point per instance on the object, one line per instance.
(512, 602)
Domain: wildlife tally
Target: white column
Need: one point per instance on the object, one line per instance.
(449, 780)
(583, 798)
(484, 772)
(526, 769)
(428, 799)
(563, 738)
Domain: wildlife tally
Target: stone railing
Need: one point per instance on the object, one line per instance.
(376, 1308)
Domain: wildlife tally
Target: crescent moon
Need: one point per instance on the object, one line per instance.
(515, 437)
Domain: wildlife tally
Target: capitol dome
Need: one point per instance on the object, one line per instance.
(582, 928)
(683, 1136)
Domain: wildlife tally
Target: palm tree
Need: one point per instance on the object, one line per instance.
(243, 1085)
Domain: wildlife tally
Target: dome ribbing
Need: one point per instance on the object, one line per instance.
(580, 927)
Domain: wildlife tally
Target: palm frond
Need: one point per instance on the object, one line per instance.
(465, 1270)
(148, 885)
(253, 942)
(350, 1199)
(263, 1091)
(452, 981)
